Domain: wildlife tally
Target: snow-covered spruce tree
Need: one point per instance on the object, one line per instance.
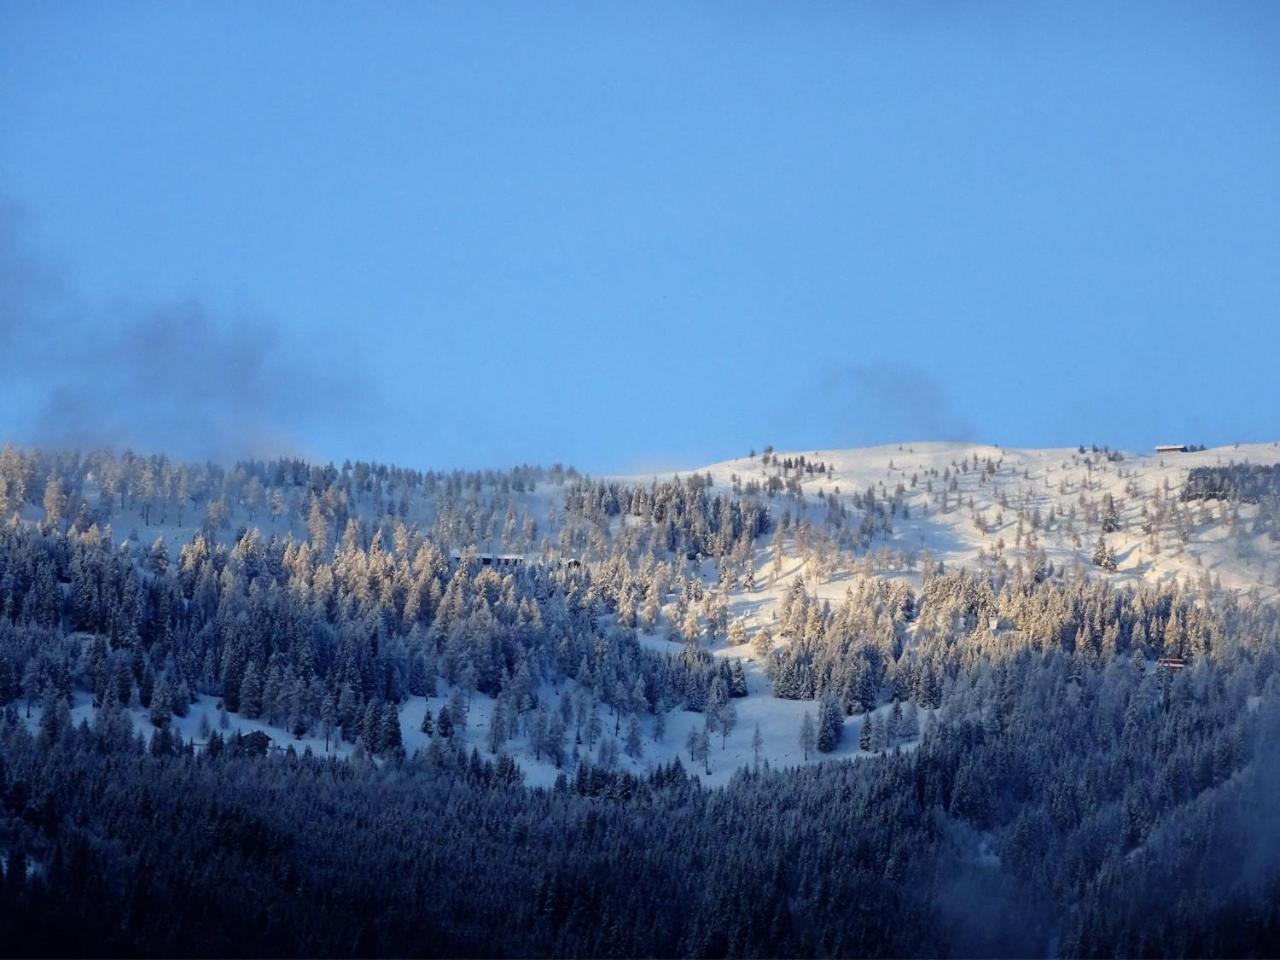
(830, 723)
(1104, 556)
(808, 735)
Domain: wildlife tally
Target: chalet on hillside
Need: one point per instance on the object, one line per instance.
(500, 560)
(509, 561)
(1171, 448)
(503, 561)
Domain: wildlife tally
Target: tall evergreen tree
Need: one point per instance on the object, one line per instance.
(808, 735)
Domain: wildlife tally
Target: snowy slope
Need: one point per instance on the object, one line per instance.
(779, 722)
(1003, 488)
(1031, 479)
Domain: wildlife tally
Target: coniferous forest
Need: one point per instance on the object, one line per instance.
(1016, 758)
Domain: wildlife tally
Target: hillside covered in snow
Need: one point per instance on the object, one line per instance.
(1071, 650)
(705, 569)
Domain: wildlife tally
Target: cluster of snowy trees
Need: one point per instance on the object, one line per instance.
(1240, 483)
(679, 517)
(1087, 808)
(825, 735)
(328, 644)
(1063, 790)
(486, 508)
(885, 641)
(1243, 482)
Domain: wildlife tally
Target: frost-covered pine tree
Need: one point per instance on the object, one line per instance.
(607, 755)
(444, 723)
(458, 708)
(328, 716)
(762, 644)
(392, 741)
(893, 729)
(909, 728)
(634, 745)
(1110, 515)
(538, 732)
(55, 501)
(727, 717)
(808, 735)
(497, 726)
(555, 739)
(162, 701)
(593, 729)
(1104, 556)
(830, 723)
(737, 680)
(649, 609)
(158, 557)
(701, 747)
(251, 692)
(878, 734)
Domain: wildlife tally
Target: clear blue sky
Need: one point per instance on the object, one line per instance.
(632, 236)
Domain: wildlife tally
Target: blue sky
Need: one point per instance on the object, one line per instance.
(634, 236)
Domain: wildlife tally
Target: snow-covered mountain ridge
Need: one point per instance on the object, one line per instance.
(834, 524)
(962, 513)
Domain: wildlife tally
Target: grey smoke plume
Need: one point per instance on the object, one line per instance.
(881, 402)
(172, 377)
